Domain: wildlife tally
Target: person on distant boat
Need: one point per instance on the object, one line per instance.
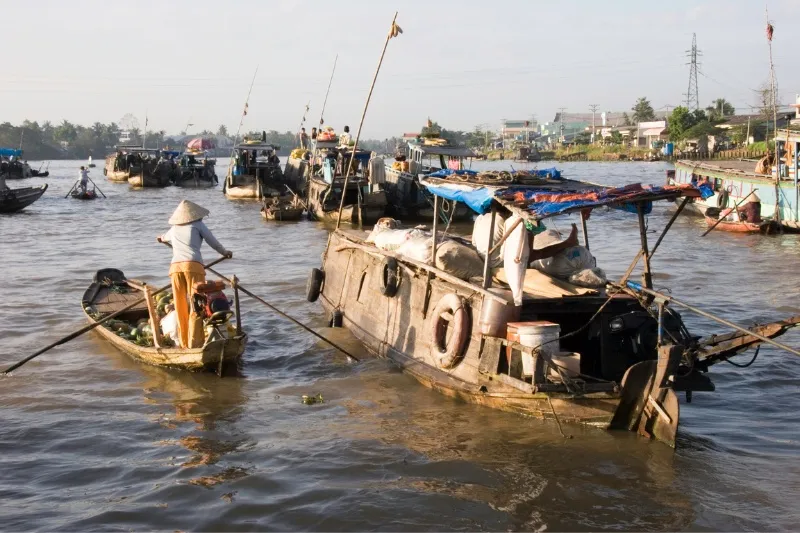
(186, 236)
(751, 211)
(303, 139)
(84, 179)
(344, 138)
(314, 134)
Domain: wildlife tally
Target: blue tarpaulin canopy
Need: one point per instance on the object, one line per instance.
(540, 202)
(8, 152)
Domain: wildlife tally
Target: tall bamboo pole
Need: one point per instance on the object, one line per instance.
(241, 121)
(364, 114)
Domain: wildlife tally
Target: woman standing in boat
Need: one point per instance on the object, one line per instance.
(186, 236)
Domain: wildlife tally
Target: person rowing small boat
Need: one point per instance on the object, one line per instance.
(186, 236)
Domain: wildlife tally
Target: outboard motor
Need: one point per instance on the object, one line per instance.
(210, 302)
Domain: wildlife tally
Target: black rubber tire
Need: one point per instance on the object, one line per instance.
(722, 199)
(314, 284)
(337, 318)
(389, 277)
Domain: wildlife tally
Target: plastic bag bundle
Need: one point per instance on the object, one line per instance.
(416, 247)
(589, 277)
(566, 263)
(459, 260)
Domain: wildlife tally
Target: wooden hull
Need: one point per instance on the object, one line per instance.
(208, 357)
(351, 214)
(284, 213)
(295, 173)
(88, 195)
(139, 181)
(118, 176)
(399, 329)
(13, 200)
(323, 203)
(407, 201)
(194, 183)
(244, 192)
(738, 227)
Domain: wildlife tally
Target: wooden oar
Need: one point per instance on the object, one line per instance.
(98, 188)
(735, 208)
(71, 188)
(298, 198)
(95, 324)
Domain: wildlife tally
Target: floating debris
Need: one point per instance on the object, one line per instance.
(309, 400)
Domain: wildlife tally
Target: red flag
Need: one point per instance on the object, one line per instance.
(245, 109)
(770, 31)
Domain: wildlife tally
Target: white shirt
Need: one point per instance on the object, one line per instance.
(186, 240)
(84, 176)
(344, 139)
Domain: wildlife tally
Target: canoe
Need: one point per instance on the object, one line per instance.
(88, 195)
(111, 291)
(13, 200)
(740, 227)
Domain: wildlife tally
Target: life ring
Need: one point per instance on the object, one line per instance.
(722, 199)
(389, 276)
(314, 284)
(449, 353)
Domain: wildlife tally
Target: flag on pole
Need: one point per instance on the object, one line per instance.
(395, 30)
(770, 31)
(245, 109)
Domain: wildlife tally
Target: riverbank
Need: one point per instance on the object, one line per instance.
(625, 153)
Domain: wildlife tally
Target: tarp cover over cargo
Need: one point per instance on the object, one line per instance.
(566, 196)
(9, 152)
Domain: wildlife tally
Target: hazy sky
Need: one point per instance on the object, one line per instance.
(462, 62)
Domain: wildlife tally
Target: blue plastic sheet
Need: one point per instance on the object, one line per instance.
(445, 172)
(479, 200)
(705, 191)
(8, 152)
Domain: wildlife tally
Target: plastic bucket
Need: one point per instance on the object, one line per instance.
(540, 334)
(495, 316)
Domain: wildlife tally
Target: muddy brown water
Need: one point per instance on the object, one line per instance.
(92, 440)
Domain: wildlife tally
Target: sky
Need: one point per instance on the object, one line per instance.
(460, 62)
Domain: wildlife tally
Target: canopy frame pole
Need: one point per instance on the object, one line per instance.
(647, 278)
(361, 124)
(487, 278)
(435, 227)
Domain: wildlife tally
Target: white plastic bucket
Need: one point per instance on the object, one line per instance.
(568, 362)
(540, 334)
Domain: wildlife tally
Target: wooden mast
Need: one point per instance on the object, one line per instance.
(394, 30)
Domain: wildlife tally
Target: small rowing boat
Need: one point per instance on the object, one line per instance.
(713, 216)
(281, 210)
(132, 331)
(84, 195)
(13, 200)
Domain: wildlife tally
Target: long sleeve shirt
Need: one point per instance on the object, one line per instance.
(186, 240)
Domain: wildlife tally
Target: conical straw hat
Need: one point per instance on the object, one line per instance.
(187, 212)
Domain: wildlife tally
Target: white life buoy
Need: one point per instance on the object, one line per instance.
(449, 353)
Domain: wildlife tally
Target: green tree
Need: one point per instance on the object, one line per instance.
(222, 130)
(616, 137)
(626, 120)
(643, 111)
(65, 131)
(719, 109)
(680, 120)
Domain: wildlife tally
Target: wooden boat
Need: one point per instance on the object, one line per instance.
(608, 365)
(88, 195)
(13, 200)
(364, 202)
(195, 171)
(407, 199)
(140, 167)
(287, 208)
(254, 171)
(110, 291)
(732, 181)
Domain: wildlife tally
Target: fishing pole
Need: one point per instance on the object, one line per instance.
(241, 121)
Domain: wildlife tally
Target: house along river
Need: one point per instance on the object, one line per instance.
(91, 440)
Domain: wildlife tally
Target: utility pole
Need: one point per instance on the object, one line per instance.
(594, 131)
(561, 124)
(692, 98)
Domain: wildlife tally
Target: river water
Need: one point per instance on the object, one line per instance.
(94, 441)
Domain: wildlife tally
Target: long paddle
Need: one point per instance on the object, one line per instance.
(98, 188)
(71, 188)
(95, 324)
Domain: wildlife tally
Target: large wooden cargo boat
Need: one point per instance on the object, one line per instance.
(731, 182)
(141, 167)
(111, 291)
(196, 171)
(407, 199)
(255, 172)
(454, 334)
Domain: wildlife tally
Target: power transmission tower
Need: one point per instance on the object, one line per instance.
(594, 110)
(561, 124)
(692, 98)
